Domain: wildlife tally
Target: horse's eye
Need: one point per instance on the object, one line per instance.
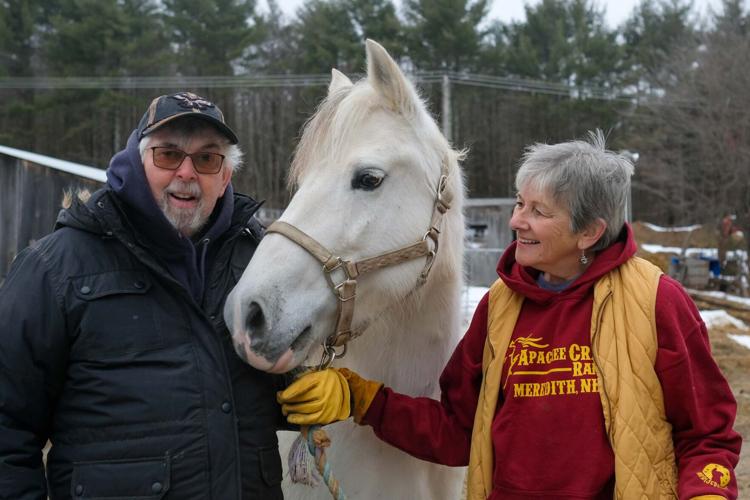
(367, 180)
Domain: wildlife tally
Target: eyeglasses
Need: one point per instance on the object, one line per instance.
(204, 162)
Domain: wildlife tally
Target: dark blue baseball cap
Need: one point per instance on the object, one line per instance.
(166, 108)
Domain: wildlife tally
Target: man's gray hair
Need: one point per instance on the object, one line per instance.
(189, 127)
(583, 176)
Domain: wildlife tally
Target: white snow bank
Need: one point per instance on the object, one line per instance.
(661, 229)
(699, 252)
(719, 317)
(721, 295)
(469, 300)
(743, 340)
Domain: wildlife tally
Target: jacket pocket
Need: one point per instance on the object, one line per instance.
(136, 479)
(115, 312)
(270, 465)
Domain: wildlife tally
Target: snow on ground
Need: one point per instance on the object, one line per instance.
(693, 252)
(710, 253)
(743, 340)
(471, 296)
(724, 296)
(660, 229)
(719, 317)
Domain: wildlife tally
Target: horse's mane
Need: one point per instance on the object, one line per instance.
(326, 128)
(336, 117)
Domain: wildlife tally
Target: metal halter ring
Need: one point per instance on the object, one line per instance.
(329, 354)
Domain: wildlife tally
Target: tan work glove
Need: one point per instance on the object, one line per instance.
(363, 392)
(326, 396)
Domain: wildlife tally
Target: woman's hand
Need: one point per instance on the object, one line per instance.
(318, 397)
(325, 396)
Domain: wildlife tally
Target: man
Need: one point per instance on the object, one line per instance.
(113, 343)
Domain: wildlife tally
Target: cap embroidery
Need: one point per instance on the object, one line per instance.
(192, 101)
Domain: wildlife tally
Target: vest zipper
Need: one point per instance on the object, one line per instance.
(600, 373)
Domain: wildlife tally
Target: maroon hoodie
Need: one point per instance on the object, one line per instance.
(548, 434)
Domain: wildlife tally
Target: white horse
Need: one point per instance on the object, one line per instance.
(367, 168)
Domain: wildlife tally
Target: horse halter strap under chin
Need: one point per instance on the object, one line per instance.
(342, 274)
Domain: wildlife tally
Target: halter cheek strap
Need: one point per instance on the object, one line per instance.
(342, 274)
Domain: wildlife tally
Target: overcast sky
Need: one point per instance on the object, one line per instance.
(506, 10)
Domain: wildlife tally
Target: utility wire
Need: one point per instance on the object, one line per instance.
(313, 80)
(308, 80)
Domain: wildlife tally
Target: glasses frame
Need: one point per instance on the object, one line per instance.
(192, 159)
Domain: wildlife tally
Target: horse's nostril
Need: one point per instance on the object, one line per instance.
(255, 318)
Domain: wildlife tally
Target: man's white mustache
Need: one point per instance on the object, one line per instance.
(184, 188)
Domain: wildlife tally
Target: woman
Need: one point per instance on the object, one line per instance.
(585, 373)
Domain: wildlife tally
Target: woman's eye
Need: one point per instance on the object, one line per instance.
(367, 180)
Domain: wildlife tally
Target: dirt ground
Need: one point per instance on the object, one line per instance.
(734, 361)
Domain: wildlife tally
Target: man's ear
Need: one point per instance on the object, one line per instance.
(589, 236)
(226, 176)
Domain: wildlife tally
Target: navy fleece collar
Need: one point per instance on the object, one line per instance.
(184, 259)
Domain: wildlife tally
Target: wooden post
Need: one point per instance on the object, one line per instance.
(447, 115)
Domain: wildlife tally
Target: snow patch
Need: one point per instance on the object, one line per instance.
(724, 296)
(743, 340)
(697, 252)
(719, 317)
(679, 229)
(469, 301)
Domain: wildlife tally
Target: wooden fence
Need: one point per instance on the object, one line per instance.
(31, 192)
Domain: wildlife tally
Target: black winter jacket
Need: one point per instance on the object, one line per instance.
(135, 384)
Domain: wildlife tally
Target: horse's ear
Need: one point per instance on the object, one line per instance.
(338, 81)
(386, 77)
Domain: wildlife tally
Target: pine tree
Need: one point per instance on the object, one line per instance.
(211, 35)
(444, 34)
(653, 33)
(563, 41)
(377, 19)
(325, 37)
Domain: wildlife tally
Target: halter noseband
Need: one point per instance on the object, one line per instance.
(342, 274)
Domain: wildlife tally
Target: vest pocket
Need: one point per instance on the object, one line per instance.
(137, 479)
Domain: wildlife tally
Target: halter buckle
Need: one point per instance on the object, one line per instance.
(335, 264)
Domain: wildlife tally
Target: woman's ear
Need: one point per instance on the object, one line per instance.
(589, 236)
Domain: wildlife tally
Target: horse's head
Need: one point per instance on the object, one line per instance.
(367, 170)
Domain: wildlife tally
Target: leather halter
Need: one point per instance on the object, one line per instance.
(342, 274)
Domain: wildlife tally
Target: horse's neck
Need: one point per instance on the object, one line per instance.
(407, 347)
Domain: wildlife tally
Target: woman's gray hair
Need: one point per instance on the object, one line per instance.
(186, 128)
(583, 176)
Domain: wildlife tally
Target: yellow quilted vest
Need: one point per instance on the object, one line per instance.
(624, 345)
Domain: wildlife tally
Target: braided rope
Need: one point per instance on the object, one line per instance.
(317, 442)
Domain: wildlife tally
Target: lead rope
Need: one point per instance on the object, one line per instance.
(307, 459)
(308, 462)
